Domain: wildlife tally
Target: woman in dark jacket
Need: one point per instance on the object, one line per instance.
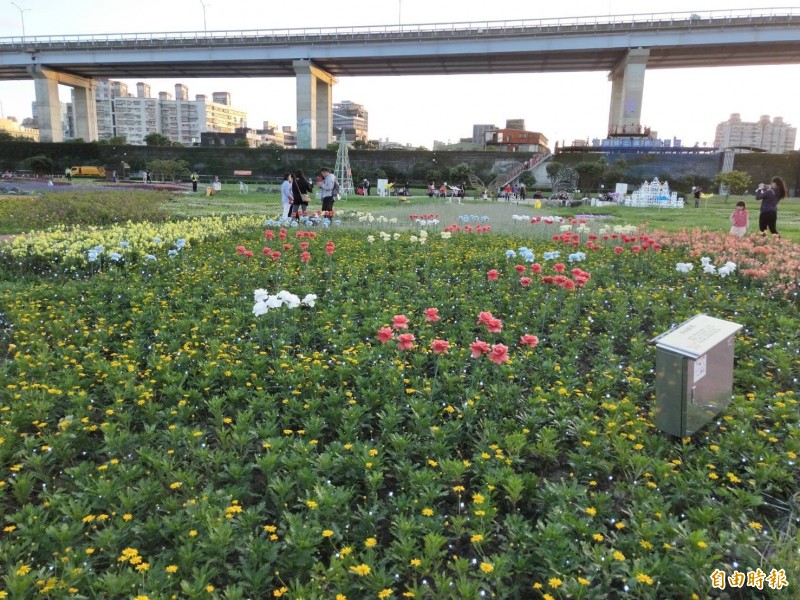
(301, 193)
(769, 197)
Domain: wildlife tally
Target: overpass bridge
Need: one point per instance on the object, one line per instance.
(624, 45)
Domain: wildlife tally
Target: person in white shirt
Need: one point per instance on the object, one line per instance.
(328, 190)
(287, 198)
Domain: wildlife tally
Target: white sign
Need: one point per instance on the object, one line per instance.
(697, 336)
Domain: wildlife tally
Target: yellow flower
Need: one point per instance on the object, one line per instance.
(193, 533)
(702, 544)
(175, 485)
(458, 488)
(476, 539)
(487, 567)
(427, 512)
(619, 525)
(143, 567)
(311, 504)
(584, 581)
(385, 593)
(756, 525)
(554, 582)
(591, 511)
(618, 555)
(642, 578)
(210, 588)
(327, 533)
(477, 498)
(171, 568)
(23, 570)
(127, 517)
(141, 597)
(360, 570)
(415, 562)
(341, 597)
(280, 591)
(547, 597)
(371, 542)
(598, 537)
(90, 551)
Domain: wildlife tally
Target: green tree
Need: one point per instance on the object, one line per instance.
(40, 164)
(460, 172)
(333, 146)
(7, 137)
(170, 169)
(553, 169)
(590, 173)
(527, 178)
(156, 139)
(736, 181)
(242, 144)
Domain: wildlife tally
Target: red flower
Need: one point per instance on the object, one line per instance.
(495, 325)
(485, 316)
(529, 340)
(240, 249)
(492, 275)
(248, 254)
(406, 341)
(525, 281)
(329, 248)
(479, 348)
(276, 255)
(267, 251)
(618, 249)
(303, 245)
(400, 322)
(520, 269)
(536, 268)
(385, 334)
(287, 246)
(568, 284)
(636, 249)
(559, 267)
(439, 346)
(432, 315)
(282, 233)
(547, 279)
(499, 354)
(305, 256)
(269, 234)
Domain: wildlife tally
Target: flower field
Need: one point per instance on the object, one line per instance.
(430, 410)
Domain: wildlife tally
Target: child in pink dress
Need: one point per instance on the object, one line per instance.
(739, 220)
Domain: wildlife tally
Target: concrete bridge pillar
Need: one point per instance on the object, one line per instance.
(314, 105)
(84, 106)
(627, 88)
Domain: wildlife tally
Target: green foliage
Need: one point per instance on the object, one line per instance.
(40, 164)
(527, 178)
(169, 169)
(80, 208)
(553, 168)
(460, 172)
(590, 173)
(736, 181)
(332, 146)
(156, 139)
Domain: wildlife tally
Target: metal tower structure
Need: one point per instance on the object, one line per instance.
(342, 170)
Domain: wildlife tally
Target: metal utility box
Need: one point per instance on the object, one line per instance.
(694, 373)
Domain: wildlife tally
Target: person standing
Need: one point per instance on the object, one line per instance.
(195, 178)
(522, 191)
(287, 197)
(739, 220)
(301, 190)
(770, 196)
(68, 173)
(365, 185)
(328, 190)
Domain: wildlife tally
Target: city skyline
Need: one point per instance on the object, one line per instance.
(686, 104)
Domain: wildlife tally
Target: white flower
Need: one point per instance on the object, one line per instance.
(395, 236)
(260, 308)
(309, 300)
(289, 299)
(684, 267)
(260, 295)
(709, 268)
(414, 239)
(705, 261)
(446, 235)
(273, 302)
(370, 238)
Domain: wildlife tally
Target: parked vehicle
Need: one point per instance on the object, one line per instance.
(89, 171)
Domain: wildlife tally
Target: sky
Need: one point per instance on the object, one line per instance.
(683, 103)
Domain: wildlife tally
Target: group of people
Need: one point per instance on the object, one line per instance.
(296, 193)
(770, 196)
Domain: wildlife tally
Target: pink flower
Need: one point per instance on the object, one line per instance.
(536, 268)
(525, 281)
(485, 316)
(492, 275)
(269, 234)
(406, 341)
(282, 233)
(303, 245)
(439, 346)
(432, 315)
(329, 248)
(400, 322)
(240, 249)
(276, 255)
(385, 334)
(499, 354)
(636, 249)
(559, 267)
(529, 340)
(495, 325)
(267, 251)
(619, 249)
(287, 246)
(248, 254)
(520, 269)
(305, 256)
(479, 348)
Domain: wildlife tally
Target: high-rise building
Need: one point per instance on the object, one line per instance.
(773, 136)
(120, 113)
(353, 119)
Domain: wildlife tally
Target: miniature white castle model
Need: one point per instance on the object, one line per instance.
(656, 194)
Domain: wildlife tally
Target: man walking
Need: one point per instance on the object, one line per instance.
(329, 190)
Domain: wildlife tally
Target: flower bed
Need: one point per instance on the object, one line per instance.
(462, 416)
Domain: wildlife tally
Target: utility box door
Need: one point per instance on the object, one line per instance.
(694, 374)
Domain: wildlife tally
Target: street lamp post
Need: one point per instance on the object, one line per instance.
(22, 17)
(204, 5)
